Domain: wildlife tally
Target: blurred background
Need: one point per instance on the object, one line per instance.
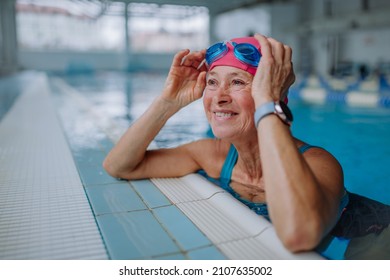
(349, 37)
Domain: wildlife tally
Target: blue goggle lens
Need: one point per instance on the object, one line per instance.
(215, 52)
(247, 53)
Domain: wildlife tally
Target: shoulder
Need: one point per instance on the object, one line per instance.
(324, 165)
(316, 153)
(210, 154)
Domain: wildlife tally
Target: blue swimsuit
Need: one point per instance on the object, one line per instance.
(226, 174)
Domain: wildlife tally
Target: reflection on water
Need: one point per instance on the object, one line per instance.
(84, 131)
(370, 247)
(119, 99)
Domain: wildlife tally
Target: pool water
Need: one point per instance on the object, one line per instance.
(125, 97)
(358, 137)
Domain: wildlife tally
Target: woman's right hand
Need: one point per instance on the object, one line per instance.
(275, 73)
(185, 82)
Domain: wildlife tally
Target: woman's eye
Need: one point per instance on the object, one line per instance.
(211, 82)
(238, 82)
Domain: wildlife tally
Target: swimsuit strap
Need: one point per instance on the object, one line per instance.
(230, 162)
(305, 147)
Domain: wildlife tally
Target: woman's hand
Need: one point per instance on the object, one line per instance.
(275, 73)
(185, 82)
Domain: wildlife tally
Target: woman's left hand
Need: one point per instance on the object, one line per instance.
(275, 73)
(186, 79)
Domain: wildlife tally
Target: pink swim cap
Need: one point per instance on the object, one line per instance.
(229, 59)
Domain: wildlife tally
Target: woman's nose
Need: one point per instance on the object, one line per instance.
(223, 96)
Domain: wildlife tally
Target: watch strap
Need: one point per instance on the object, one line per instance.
(264, 110)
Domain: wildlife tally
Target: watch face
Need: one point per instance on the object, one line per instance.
(286, 111)
(283, 112)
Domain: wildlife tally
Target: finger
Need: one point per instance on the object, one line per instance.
(186, 61)
(195, 64)
(264, 45)
(287, 54)
(277, 50)
(199, 55)
(177, 59)
(202, 66)
(195, 60)
(192, 59)
(200, 84)
(288, 62)
(200, 60)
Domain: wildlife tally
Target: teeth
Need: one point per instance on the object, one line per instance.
(221, 114)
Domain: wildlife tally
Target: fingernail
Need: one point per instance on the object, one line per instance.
(183, 60)
(201, 64)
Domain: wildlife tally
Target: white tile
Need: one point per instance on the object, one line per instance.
(247, 249)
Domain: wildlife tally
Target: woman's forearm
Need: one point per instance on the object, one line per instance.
(130, 150)
(290, 186)
(298, 204)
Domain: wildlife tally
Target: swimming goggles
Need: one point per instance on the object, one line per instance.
(244, 52)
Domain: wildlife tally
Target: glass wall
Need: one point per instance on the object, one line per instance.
(101, 26)
(167, 28)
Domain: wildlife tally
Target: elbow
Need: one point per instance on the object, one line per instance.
(118, 171)
(301, 239)
(110, 168)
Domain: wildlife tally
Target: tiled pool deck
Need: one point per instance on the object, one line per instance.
(57, 202)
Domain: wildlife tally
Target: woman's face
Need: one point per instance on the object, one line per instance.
(228, 102)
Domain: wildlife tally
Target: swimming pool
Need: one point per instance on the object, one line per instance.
(357, 137)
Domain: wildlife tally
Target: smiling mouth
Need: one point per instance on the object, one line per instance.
(224, 114)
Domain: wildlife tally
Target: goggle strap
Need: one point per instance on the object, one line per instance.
(201, 64)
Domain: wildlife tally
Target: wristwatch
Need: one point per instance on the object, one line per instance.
(278, 108)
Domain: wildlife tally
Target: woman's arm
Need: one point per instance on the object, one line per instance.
(303, 192)
(129, 158)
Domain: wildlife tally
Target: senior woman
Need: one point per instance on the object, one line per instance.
(254, 154)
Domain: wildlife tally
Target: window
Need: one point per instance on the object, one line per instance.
(167, 28)
(101, 26)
